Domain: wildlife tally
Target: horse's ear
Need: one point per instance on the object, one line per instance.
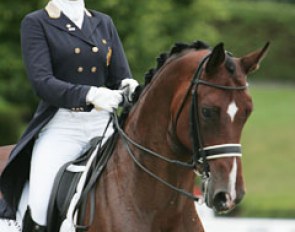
(250, 62)
(216, 58)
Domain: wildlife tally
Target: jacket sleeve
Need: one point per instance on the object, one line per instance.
(37, 60)
(118, 67)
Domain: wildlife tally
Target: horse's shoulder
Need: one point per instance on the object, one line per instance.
(5, 150)
(4, 154)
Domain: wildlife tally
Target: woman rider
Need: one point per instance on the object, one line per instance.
(76, 64)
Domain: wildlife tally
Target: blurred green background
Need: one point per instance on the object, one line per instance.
(148, 28)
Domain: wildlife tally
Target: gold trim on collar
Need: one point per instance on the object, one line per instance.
(53, 11)
(87, 12)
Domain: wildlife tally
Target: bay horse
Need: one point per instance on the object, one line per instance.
(187, 120)
(4, 153)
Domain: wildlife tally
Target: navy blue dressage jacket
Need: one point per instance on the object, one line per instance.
(62, 63)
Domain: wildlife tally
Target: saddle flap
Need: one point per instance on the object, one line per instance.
(69, 176)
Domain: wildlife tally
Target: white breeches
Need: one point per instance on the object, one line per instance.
(63, 139)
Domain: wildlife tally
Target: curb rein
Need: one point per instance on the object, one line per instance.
(200, 154)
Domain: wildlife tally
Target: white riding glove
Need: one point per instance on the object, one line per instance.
(128, 86)
(104, 99)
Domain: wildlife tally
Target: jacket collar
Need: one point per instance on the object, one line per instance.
(58, 19)
(54, 12)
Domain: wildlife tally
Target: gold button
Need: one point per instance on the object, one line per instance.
(104, 41)
(77, 50)
(68, 25)
(80, 69)
(95, 49)
(93, 69)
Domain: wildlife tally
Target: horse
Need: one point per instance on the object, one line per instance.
(4, 153)
(187, 121)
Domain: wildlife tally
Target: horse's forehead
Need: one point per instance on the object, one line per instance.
(232, 70)
(227, 99)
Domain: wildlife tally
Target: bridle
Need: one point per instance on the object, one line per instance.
(201, 154)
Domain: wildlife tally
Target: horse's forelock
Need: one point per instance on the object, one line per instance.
(230, 65)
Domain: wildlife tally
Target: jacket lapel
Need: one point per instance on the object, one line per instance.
(93, 22)
(90, 24)
(61, 21)
(86, 27)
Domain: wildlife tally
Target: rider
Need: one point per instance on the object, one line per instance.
(76, 64)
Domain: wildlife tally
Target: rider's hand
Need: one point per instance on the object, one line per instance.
(129, 86)
(104, 99)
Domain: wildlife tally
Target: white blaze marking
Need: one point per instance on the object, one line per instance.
(232, 180)
(232, 110)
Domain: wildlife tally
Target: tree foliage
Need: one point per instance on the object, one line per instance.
(146, 28)
(14, 87)
(149, 27)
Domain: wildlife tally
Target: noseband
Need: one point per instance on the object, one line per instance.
(201, 154)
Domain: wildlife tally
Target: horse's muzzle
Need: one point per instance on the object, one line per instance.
(222, 201)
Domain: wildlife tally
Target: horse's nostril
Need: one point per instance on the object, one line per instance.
(221, 201)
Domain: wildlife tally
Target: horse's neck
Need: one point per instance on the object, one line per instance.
(148, 125)
(4, 154)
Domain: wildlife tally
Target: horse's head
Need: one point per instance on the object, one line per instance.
(218, 109)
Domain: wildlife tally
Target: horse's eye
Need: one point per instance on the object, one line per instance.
(206, 113)
(210, 112)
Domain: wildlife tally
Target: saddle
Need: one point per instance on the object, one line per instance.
(75, 184)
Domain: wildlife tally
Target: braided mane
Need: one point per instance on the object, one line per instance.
(163, 57)
(176, 49)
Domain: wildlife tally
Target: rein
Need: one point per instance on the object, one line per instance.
(127, 140)
(201, 154)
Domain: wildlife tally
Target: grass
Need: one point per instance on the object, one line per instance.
(269, 136)
(269, 153)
